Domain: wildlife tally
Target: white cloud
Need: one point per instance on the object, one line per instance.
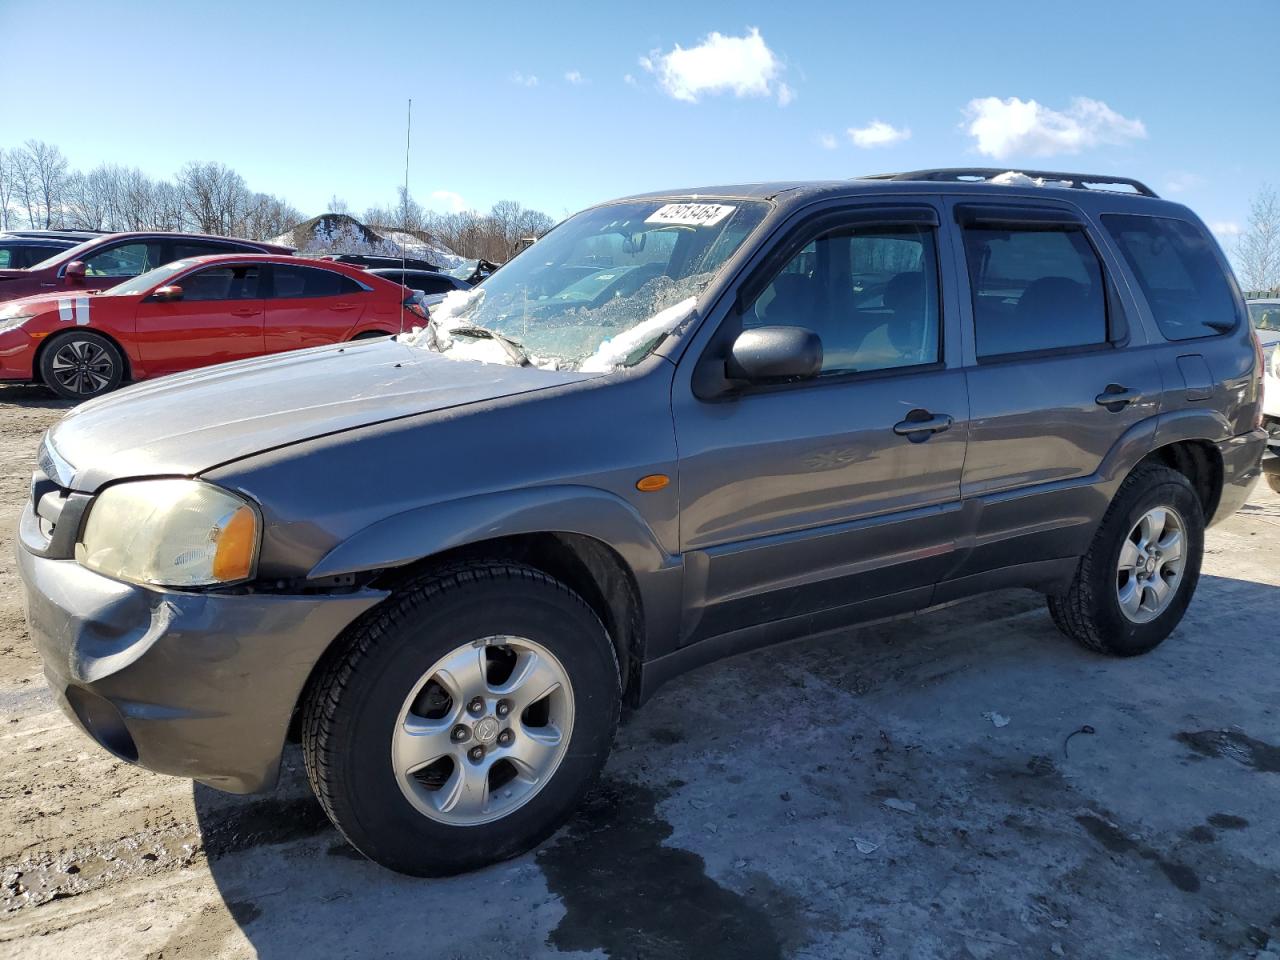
(574, 77)
(827, 141)
(1005, 128)
(1182, 182)
(630, 81)
(878, 134)
(743, 66)
(524, 80)
(448, 201)
(1226, 229)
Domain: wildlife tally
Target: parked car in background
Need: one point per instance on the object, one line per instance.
(22, 249)
(106, 260)
(431, 283)
(1265, 314)
(191, 313)
(368, 260)
(448, 558)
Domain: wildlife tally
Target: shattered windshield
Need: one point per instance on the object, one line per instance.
(599, 291)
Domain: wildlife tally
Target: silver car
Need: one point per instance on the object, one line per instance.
(680, 426)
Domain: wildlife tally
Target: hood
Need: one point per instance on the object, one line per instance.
(188, 423)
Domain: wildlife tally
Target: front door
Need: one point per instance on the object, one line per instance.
(806, 501)
(218, 319)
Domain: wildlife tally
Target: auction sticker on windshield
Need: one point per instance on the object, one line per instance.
(690, 214)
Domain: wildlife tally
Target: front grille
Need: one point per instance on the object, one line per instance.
(58, 513)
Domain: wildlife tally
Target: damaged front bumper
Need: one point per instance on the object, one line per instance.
(198, 685)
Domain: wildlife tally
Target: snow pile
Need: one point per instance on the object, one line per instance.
(415, 246)
(337, 233)
(614, 351)
(1012, 178)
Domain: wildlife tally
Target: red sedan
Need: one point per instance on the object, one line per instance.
(192, 313)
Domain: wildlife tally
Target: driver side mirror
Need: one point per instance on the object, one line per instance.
(167, 294)
(75, 270)
(759, 356)
(766, 354)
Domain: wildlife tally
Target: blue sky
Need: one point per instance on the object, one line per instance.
(308, 100)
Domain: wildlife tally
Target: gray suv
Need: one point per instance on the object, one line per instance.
(680, 426)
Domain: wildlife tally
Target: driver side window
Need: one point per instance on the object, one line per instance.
(869, 293)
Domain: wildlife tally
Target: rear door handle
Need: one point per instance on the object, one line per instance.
(920, 425)
(245, 312)
(1116, 397)
(343, 306)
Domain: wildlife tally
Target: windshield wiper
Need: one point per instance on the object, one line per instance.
(514, 350)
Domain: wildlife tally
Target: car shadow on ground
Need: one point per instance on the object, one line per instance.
(33, 395)
(775, 875)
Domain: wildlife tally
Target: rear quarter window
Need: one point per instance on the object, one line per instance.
(1177, 267)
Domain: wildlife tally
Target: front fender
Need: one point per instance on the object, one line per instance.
(424, 531)
(405, 537)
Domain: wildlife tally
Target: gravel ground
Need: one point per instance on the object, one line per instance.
(905, 790)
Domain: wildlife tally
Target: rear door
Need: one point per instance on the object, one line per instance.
(814, 502)
(218, 319)
(310, 306)
(1058, 372)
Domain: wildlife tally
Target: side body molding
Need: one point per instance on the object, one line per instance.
(563, 508)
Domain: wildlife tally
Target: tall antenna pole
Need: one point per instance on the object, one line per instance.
(404, 227)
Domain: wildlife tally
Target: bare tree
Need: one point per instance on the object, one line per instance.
(214, 197)
(49, 170)
(1258, 249)
(7, 186)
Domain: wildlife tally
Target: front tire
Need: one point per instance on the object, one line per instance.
(79, 365)
(461, 722)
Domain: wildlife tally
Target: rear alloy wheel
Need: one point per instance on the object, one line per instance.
(461, 721)
(81, 365)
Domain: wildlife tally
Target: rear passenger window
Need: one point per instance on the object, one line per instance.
(201, 248)
(870, 294)
(1175, 264)
(1034, 289)
(221, 283)
(298, 282)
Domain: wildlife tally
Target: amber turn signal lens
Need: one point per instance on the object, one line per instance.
(233, 558)
(654, 481)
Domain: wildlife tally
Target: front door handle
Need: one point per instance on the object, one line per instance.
(1115, 398)
(343, 306)
(245, 312)
(920, 425)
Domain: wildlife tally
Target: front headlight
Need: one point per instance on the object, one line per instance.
(170, 533)
(1275, 360)
(13, 323)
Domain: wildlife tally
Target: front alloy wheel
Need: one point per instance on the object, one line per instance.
(461, 721)
(483, 730)
(81, 365)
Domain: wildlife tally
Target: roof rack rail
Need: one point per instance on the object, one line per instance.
(1078, 181)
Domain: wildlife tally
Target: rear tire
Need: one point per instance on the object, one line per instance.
(1129, 590)
(80, 364)
(390, 723)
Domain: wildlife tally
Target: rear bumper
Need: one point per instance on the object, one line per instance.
(194, 685)
(1241, 467)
